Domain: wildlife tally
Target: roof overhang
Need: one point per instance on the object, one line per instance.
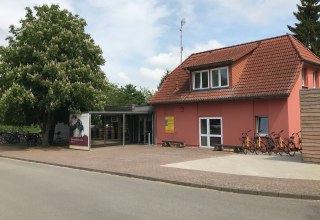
(208, 65)
(313, 64)
(238, 98)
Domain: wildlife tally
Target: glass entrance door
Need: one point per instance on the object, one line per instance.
(210, 131)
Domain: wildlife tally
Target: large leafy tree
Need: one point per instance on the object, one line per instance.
(50, 66)
(307, 30)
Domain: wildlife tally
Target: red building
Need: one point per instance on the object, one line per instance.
(214, 96)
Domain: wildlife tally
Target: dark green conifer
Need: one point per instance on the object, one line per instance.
(307, 29)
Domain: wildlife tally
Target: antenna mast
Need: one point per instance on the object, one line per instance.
(183, 21)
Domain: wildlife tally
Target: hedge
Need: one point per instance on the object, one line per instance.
(21, 129)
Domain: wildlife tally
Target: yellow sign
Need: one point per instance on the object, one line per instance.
(169, 124)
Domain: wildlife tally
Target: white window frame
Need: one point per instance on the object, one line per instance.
(194, 81)
(257, 124)
(208, 135)
(219, 75)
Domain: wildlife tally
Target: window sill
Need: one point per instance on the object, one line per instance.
(211, 89)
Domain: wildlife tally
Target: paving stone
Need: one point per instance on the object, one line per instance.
(146, 161)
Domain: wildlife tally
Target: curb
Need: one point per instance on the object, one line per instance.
(195, 185)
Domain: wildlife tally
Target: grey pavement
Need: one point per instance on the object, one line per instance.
(274, 166)
(32, 191)
(151, 162)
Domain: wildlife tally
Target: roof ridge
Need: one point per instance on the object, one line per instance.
(246, 52)
(291, 37)
(294, 46)
(242, 44)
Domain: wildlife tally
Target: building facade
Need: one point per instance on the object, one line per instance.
(215, 96)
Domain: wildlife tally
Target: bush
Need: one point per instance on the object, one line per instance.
(21, 129)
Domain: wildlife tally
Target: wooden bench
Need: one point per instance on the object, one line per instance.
(221, 147)
(169, 143)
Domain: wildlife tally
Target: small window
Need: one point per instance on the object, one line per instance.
(314, 79)
(302, 76)
(262, 125)
(201, 80)
(219, 77)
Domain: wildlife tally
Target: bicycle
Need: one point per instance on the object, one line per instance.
(280, 145)
(246, 144)
(287, 147)
(298, 146)
(10, 138)
(270, 143)
(259, 145)
(34, 139)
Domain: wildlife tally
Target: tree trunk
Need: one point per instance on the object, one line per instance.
(46, 129)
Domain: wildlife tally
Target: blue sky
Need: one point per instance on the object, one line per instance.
(140, 38)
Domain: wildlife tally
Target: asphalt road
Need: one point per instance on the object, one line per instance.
(36, 191)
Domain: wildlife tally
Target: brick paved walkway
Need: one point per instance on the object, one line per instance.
(145, 162)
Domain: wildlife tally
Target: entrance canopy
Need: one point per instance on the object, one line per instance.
(122, 125)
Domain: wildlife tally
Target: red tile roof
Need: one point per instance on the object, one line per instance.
(304, 53)
(227, 54)
(271, 71)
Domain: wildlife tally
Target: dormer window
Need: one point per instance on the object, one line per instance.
(220, 77)
(201, 79)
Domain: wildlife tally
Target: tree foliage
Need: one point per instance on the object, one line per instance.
(163, 78)
(127, 95)
(308, 28)
(49, 66)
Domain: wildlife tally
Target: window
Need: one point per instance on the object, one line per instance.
(219, 77)
(314, 79)
(201, 79)
(210, 131)
(302, 76)
(262, 125)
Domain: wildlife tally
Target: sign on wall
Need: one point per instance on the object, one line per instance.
(80, 131)
(169, 124)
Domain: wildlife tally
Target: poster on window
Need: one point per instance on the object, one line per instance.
(169, 124)
(80, 131)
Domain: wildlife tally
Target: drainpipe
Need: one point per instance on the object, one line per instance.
(123, 128)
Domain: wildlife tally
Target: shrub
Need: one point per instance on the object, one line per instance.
(21, 129)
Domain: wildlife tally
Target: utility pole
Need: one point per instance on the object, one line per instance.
(183, 21)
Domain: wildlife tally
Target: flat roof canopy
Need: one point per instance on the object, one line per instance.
(127, 110)
(118, 113)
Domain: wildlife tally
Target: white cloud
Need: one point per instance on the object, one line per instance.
(171, 59)
(154, 74)
(161, 62)
(258, 12)
(128, 32)
(210, 45)
(129, 28)
(12, 11)
(124, 77)
(165, 60)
